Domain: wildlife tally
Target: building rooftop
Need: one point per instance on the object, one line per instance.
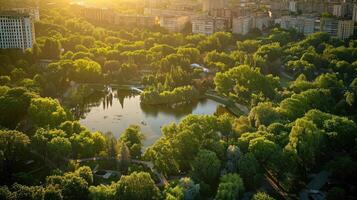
(8, 13)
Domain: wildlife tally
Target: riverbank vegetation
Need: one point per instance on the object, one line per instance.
(294, 129)
(179, 95)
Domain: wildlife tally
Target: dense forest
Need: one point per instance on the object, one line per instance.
(301, 93)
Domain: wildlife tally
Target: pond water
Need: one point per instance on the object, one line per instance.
(114, 113)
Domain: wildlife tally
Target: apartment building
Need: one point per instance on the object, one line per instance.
(293, 6)
(242, 25)
(261, 20)
(303, 24)
(208, 25)
(16, 31)
(329, 25)
(340, 10)
(173, 23)
(135, 20)
(345, 29)
(354, 11)
(167, 12)
(225, 13)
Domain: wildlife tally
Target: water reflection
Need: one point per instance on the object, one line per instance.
(116, 110)
(178, 112)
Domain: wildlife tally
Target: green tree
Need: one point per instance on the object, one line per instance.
(268, 57)
(133, 139)
(102, 192)
(51, 49)
(86, 173)
(13, 145)
(264, 114)
(298, 104)
(23, 192)
(250, 170)
(262, 196)
(74, 187)
(233, 83)
(52, 193)
(206, 166)
(86, 70)
(264, 150)
(298, 67)
(178, 147)
(46, 111)
(193, 54)
(230, 187)
(306, 142)
(136, 186)
(59, 148)
(86, 144)
(5, 193)
(123, 156)
(14, 105)
(190, 189)
(341, 131)
(248, 46)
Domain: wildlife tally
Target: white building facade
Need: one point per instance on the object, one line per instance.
(242, 25)
(173, 23)
(292, 6)
(208, 25)
(16, 31)
(345, 29)
(329, 25)
(303, 24)
(354, 11)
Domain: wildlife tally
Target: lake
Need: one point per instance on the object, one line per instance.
(114, 113)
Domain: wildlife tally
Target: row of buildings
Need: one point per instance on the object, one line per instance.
(337, 18)
(203, 17)
(340, 28)
(239, 17)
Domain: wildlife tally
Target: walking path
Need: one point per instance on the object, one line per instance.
(276, 185)
(236, 108)
(163, 180)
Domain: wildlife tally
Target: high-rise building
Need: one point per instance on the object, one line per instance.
(208, 25)
(135, 20)
(345, 29)
(260, 20)
(354, 15)
(339, 10)
(242, 25)
(293, 6)
(303, 24)
(309, 25)
(342, 29)
(329, 25)
(223, 13)
(16, 31)
(174, 23)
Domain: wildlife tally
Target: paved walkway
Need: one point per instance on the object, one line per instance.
(236, 108)
(163, 180)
